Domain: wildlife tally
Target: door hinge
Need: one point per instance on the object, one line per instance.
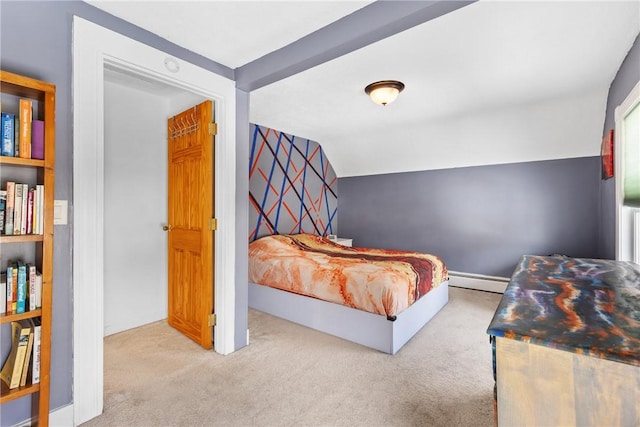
(211, 320)
(213, 224)
(213, 128)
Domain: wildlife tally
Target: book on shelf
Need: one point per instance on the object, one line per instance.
(21, 297)
(3, 293)
(11, 372)
(40, 219)
(9, 209)
(26, 112)
(3, 207)
(22, 135)
(27, 358)
(24, 211)
(37, 139)
(17, 209)
(32, 272)
(36, 210)
(12, 286)
(8, 297)
(38, 289)
(35, 357)
(30, 200)
(8, 134)
(16, 138)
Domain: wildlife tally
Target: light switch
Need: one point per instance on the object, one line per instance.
(59, 212)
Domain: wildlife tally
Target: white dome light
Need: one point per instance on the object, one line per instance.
(384, 92)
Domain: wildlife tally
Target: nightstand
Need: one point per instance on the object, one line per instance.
(343, 241)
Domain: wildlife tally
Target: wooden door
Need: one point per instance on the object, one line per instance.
(190, 243)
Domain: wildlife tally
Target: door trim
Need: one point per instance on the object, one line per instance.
(624, 215)
(93, 46)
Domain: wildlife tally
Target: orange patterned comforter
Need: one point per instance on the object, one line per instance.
(375, 280)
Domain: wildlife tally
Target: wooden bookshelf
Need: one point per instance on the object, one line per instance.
(43, 95)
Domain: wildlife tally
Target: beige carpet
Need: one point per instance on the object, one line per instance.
(290, 375)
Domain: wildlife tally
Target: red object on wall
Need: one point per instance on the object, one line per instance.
(606, 152)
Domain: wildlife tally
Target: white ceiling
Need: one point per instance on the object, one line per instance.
(468, 75)
(232, 32)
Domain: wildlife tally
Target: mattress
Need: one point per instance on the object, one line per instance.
(379, 281)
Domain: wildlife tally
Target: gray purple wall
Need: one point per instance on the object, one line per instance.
(627, 77)
(480, 219)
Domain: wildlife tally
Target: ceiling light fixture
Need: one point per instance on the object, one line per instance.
(384, 92)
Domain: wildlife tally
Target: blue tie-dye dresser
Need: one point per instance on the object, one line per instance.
(566, 342)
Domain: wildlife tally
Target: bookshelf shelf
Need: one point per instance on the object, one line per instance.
(7, 318)
(17, 161)
(42, 95)
(7, 395)
(22, 238)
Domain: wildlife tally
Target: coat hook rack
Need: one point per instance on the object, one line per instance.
(183, 125)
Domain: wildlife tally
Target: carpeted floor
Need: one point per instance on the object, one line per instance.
(290, 375)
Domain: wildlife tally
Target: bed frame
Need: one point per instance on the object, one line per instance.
(362, 327)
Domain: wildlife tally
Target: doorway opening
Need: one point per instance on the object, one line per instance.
(94, 47)
(135, 196)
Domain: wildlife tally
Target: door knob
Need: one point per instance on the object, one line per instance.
(167, 227)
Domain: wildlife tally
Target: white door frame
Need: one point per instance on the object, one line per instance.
(624, 214)
(93, 46)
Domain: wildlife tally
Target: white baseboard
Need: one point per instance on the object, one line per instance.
(133, 321)
(61, 417)
(478, 282)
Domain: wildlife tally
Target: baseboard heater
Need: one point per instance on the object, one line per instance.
(478, 282)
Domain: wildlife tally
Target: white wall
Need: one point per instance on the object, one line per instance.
(563, 128)
(182, 101)
(135, 291)
(135, 247)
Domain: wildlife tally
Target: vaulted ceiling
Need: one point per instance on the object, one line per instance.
(489, 82)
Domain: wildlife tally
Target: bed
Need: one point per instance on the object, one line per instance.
(374, 297)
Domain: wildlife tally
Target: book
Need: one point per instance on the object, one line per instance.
(38, 289)
(3, 293)
(36, 195)
(39, 211)
(3, 207)
(17, 209)
(37, 139)
(30, 200)
(8, 134)
(11, 372)
(24, 211)
(14, 286)
(16, 138)
(31, 274)
(8, 292)
(26, 112)
(27, 357)
(10, 297)
(35, 357)
(9, 208)
(21, 298)
(37, 227)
